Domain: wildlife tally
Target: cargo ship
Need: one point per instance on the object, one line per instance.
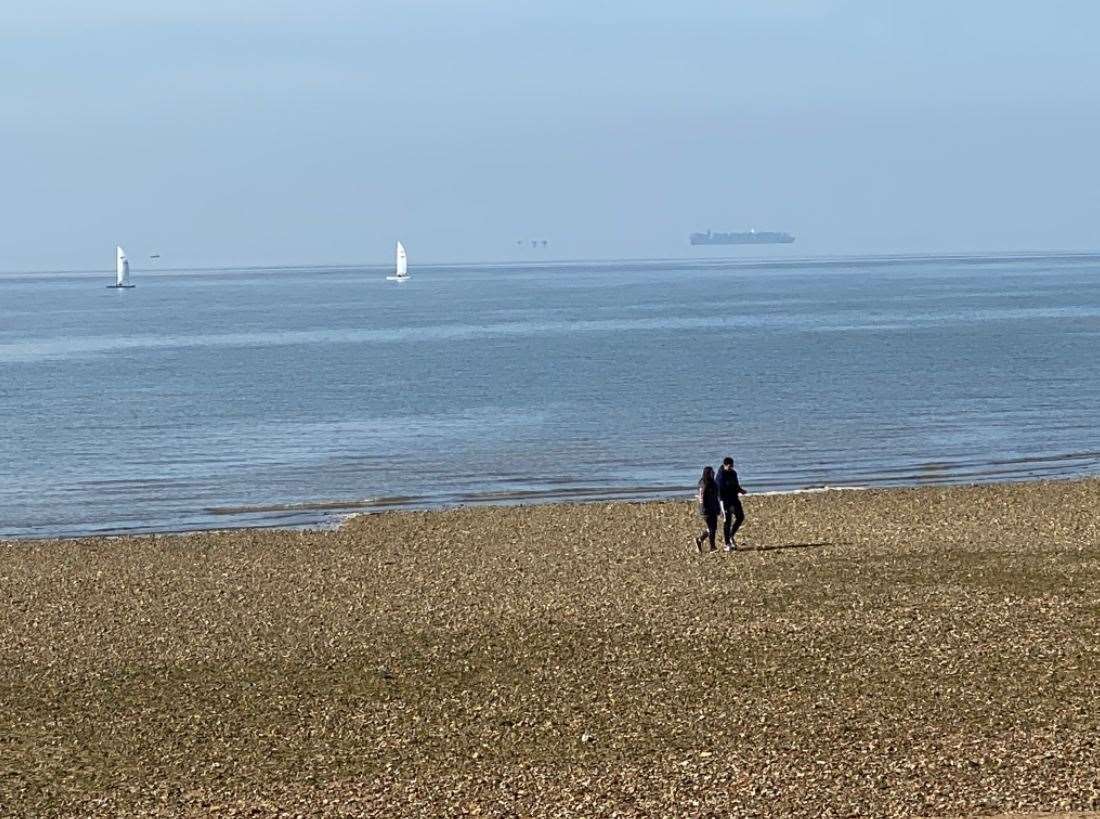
(752, 237)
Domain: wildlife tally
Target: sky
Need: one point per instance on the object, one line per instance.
(235, 132)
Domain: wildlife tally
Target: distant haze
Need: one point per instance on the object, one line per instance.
(267, 131)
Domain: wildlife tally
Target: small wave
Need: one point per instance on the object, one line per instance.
(313, 506)
(814, 489)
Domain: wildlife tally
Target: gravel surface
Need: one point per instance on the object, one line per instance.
(921, 652)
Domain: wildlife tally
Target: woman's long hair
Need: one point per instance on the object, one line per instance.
(708, 477)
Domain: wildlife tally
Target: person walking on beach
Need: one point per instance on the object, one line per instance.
(708, 507)
(729, 492)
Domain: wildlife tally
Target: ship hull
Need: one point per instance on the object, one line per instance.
(751, 238)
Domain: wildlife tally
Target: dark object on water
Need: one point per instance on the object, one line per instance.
(753, 237)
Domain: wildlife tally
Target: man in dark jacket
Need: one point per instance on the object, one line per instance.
(729, 492)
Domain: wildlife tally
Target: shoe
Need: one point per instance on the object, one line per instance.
(730, 547)
(733, 544)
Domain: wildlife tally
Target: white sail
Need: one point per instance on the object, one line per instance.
(122, 268)
(402, 261)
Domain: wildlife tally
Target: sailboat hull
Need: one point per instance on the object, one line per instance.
(121, 286)
(397, 278)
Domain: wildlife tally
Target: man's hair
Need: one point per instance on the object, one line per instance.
(727, 461)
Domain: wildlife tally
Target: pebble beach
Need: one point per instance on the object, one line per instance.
(903, 652)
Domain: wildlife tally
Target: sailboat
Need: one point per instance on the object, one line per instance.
(122, 271)
(401, 274)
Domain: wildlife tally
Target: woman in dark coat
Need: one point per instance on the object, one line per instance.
(709, 507)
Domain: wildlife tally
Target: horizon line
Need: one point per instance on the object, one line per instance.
(1006, 255)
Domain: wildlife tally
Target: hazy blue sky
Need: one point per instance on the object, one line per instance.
(266, 131)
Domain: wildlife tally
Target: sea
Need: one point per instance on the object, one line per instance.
(293, 397)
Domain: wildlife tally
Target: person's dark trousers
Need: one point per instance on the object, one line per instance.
(712, 528)
(735, 516)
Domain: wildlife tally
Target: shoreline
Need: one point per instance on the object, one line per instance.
(333, 515)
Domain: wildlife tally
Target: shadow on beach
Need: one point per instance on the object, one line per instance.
(779, 546)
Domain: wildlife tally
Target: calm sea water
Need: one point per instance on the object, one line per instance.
(291, 397)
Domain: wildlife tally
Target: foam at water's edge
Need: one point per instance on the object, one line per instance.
(810, 489)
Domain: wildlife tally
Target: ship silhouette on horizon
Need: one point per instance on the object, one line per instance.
(752, 237)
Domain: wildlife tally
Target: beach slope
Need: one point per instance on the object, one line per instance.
(929, 651)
